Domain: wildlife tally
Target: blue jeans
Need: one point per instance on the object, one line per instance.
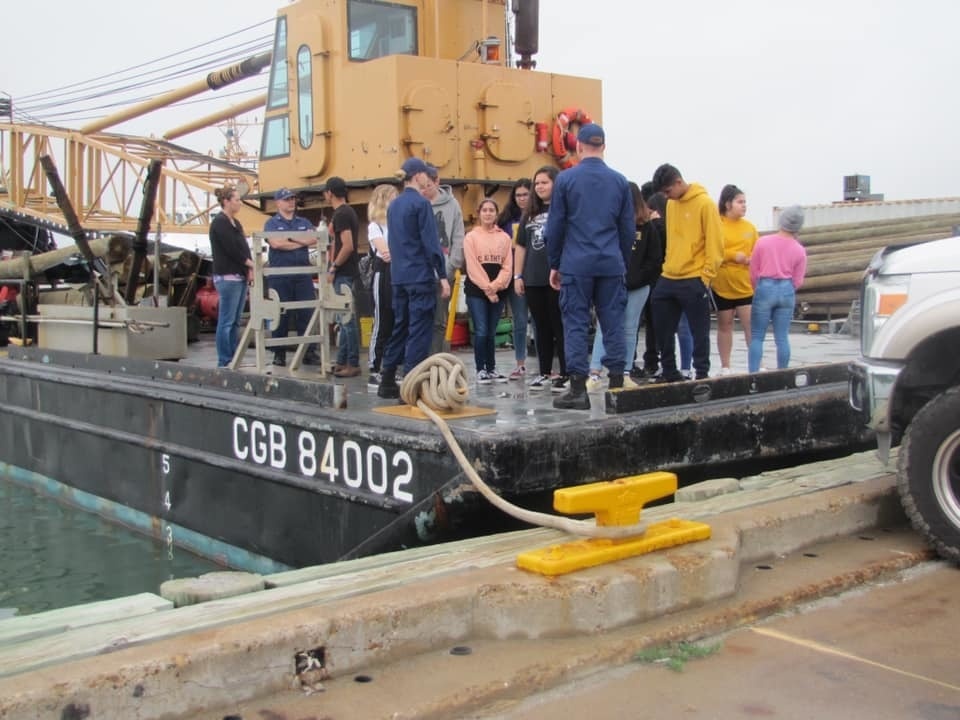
(518, 311)
(485, 316)
(349, 351)
(773, 302)
(636, 299)
(232, 295)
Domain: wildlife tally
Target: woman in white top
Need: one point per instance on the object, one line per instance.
(381, 287)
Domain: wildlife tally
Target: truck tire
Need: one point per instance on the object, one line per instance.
(928, 475)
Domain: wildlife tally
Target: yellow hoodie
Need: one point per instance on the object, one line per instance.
(694, 237)
(733, 279)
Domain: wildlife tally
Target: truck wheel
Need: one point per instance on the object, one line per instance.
(929, 473)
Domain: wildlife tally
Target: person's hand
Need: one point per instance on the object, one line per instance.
(555, 280)
(385, 256)
(444, 289)
(741, 259)
(519, 287)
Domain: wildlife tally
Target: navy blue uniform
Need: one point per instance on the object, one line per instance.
(291, 287)
(416, 265)
(590, 232)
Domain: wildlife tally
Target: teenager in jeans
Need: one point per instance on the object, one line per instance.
(509, 222)
(488, 253)
(777, 269)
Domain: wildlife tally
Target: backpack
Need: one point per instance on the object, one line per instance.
(366, 271)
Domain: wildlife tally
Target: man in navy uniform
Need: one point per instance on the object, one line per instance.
(416, 264)
(288, 252)
(590, 232)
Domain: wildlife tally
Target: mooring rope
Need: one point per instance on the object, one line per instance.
(439, 383)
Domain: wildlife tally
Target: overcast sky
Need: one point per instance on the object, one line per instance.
(783, 99)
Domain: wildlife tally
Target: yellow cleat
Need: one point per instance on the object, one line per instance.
(615, 503)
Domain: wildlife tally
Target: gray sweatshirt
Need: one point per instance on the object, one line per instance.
(449, 218)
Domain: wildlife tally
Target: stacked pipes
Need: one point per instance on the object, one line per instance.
(837, 255)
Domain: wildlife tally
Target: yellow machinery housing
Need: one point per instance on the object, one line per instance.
(358, 86)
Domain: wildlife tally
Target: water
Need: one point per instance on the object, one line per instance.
(53, 556)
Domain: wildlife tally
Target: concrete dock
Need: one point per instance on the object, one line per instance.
(439, 631)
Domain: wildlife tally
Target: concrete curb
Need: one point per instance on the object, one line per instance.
(182, 676)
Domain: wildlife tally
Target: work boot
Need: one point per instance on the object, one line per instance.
(280, 359)
(576, 397)
(616, 381)
(388, 388)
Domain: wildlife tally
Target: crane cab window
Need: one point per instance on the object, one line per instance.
(381, 28)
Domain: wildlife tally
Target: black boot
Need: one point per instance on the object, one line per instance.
(616, 381)
(388, 387)
(576, 397)
(280, 358)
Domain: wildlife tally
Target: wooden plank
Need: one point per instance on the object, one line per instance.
(25, 627)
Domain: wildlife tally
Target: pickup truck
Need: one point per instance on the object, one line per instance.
(906, 383)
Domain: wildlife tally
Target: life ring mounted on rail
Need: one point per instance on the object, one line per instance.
(564, 145)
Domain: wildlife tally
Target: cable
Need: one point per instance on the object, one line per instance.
(439, 383)
(213, 63)
(150, 62)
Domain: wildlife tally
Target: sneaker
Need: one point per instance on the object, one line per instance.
(497, 377)
(687, 374)
(560, 384)
(725, 371)
(280, 359)
(628, 383)
(484, 378)
(594, 383)
(539, 382)
(519, 373)
(311, 358)
(373, 381)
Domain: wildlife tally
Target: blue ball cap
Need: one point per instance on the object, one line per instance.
(284, 194)
(414, 166)
(591, 134)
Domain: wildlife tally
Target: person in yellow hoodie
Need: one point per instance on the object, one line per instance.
(694, 253)
(732, 291)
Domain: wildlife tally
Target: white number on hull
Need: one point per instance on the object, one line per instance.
(374, 468)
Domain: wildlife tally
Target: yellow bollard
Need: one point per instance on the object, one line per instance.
(615, 503)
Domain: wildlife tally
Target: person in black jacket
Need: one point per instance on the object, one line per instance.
(646, 258)
(232, 271)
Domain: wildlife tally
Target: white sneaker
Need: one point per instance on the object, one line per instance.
(688, 374)
(628, 383)
(483, 378)
(539, 382)
(725, 371)
(594, 383)
(497, 377)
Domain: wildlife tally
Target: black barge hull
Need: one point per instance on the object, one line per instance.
(262, 472)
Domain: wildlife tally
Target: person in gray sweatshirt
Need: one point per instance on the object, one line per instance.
(449, 219)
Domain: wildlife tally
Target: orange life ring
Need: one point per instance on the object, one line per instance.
(564, 145)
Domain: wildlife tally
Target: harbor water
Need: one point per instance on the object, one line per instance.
(53, 555)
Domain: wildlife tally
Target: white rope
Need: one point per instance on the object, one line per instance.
(439, 383)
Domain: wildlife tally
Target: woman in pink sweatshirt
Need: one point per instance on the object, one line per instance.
(489, 261)
(777, 267)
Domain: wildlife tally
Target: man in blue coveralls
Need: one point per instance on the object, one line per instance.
(590, 231)
(287, 252)
(416, 262)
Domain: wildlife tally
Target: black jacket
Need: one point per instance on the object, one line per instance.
(646, 255)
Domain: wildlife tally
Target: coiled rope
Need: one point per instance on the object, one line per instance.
(439, 383)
